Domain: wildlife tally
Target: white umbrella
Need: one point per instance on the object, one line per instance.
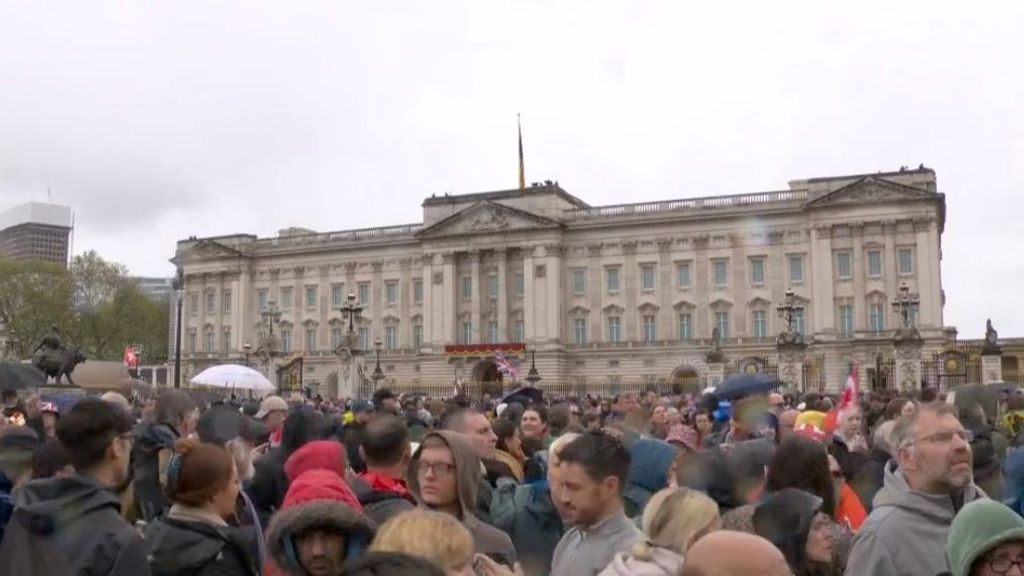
(233, 376)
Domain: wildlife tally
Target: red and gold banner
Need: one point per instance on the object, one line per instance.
(484, 349)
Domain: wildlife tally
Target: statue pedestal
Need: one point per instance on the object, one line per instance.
(791, 366)
(716, 373)
(908, 363)
(991, 367)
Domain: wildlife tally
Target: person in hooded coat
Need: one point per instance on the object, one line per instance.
(982, 532)
(793, 520)
(651, 468)
(175, 417)
(318, 505)
(269, 482)
(463, 465)
(194, 536)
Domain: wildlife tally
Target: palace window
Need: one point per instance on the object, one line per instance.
(686, 326)
(683, 275)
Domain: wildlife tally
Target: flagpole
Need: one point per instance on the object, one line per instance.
(522, 167)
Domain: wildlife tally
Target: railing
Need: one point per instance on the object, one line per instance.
(361, 235)
(688, 204)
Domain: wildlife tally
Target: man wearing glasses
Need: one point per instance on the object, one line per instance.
(444, 475)
(926, 484)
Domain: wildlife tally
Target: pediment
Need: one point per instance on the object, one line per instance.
(205, 250)
(648, 307)
(683, 304)
(579, 311)
(871, 190)
(487, 217)
(613, 310)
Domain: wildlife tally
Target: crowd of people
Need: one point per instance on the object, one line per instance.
(635, 485)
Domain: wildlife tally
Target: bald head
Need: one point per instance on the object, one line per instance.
(715, 555)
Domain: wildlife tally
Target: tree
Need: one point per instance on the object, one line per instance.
(33, 296)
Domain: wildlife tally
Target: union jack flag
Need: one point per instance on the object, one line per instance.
(505, 366)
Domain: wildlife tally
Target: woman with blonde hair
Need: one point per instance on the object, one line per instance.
(433, 536)
(673, 520)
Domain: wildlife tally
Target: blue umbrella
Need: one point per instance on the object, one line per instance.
(740, 385)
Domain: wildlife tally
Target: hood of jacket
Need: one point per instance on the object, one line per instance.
(317, 455)
(317, 499)
(896, 492)
(980, 527)
(47, 503)
(784, 519)
(180, 547)
(663, 562)
(151, 437)
(467, 472)
(649, 463)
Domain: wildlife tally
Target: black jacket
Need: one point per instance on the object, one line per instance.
(149, 440)
(269, 484)
(70, 526)
(185, 548)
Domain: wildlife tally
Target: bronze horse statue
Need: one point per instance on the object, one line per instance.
(59, 365)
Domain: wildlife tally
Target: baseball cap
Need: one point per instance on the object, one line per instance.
(271, 404)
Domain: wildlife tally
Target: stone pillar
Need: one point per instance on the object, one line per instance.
(478, 295)
(503, 330)
(908, 363)
(991, 366)
(716, 373)
(791, 364)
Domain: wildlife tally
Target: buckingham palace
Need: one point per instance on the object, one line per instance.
(800, 280)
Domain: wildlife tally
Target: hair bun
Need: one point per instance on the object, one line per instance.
(184, 446)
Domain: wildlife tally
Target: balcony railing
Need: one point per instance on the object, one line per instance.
(690, 204)
(406, 231)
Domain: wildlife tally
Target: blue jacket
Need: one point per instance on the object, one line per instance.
(648, 473)
(525, 512)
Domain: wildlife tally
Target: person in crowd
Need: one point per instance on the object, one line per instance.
(850, 432)
(417, 420)
(868, 479)
(476, 428)
(175, 417)
(392, 564)
(684, 439)
(705, 424)
(46, 420)
(508, 457)
(797, 463)
(194, 537)
(744, 421)
(444, 475)
(925, 487)
(90, 537)
(673, 521)
(625, 405)
(725, 553)
(18, 446)
(121, 402)
(850, 513)
(561, 417)
(50, 460)
(776, 403)
(593, 470)
(386, 401)
(794, 522)
(532, 514)
(319, 527)
(988, 448)
(658, 425)
(353, 432)
(434, 536)
(533, 429)
(382, 489)
(985, 539)
(652, 467)
(270, 482)
(228, 428)
(899, 407)
(787, 421)
(273, 412)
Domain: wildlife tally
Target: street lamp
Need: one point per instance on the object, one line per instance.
(378, 374)
(532, 377)
(179, 294)
(904, 303)
(247, 348)
(271, 315)
(789, 308)
(351, 311)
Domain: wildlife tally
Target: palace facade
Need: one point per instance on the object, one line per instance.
(604, 295)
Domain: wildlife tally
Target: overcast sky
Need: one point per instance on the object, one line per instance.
(160, 120)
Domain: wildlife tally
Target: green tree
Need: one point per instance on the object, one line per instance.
(33, 296)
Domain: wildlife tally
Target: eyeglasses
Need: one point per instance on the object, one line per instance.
(945, 437)
(439, 469)
(1002, 565)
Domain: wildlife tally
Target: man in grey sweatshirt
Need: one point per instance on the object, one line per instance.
(929, 481)
(592, 473)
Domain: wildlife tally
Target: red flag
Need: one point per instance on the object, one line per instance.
(849, 399)
(130, 359)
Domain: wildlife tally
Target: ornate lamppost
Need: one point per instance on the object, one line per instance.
(533, 376)
(351, 311)
(179, 295)
(907, 340)
(788, 309)
(247, 349)
(378, 374)
(903, 304)
(790, 343)
(268, 346)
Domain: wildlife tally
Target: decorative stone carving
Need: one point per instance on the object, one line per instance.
(629, 247)
(488, 218)
(350, 267)
(438, 278)
(377, 265)
(540, 271)
(664, 244)
(594, 249)
(701, 242)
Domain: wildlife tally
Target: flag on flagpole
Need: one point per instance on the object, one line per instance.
(131, 360)
(505, 366)
(522, 166)
(849, 399)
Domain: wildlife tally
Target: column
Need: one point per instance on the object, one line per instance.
(908, 362)
(991, 358)
(926, 262)
(791, 365)
(822, 301)
(504, 334)
(430, 296)
(477, 296)
(555, 315)
(448, 305)
(529, 302)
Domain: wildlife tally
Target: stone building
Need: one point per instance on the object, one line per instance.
(606, 296)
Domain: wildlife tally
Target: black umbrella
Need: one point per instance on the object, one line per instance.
(20, 376)
(526, 395)
(740, 385)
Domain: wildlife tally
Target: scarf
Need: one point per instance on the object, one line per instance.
(513, 464)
